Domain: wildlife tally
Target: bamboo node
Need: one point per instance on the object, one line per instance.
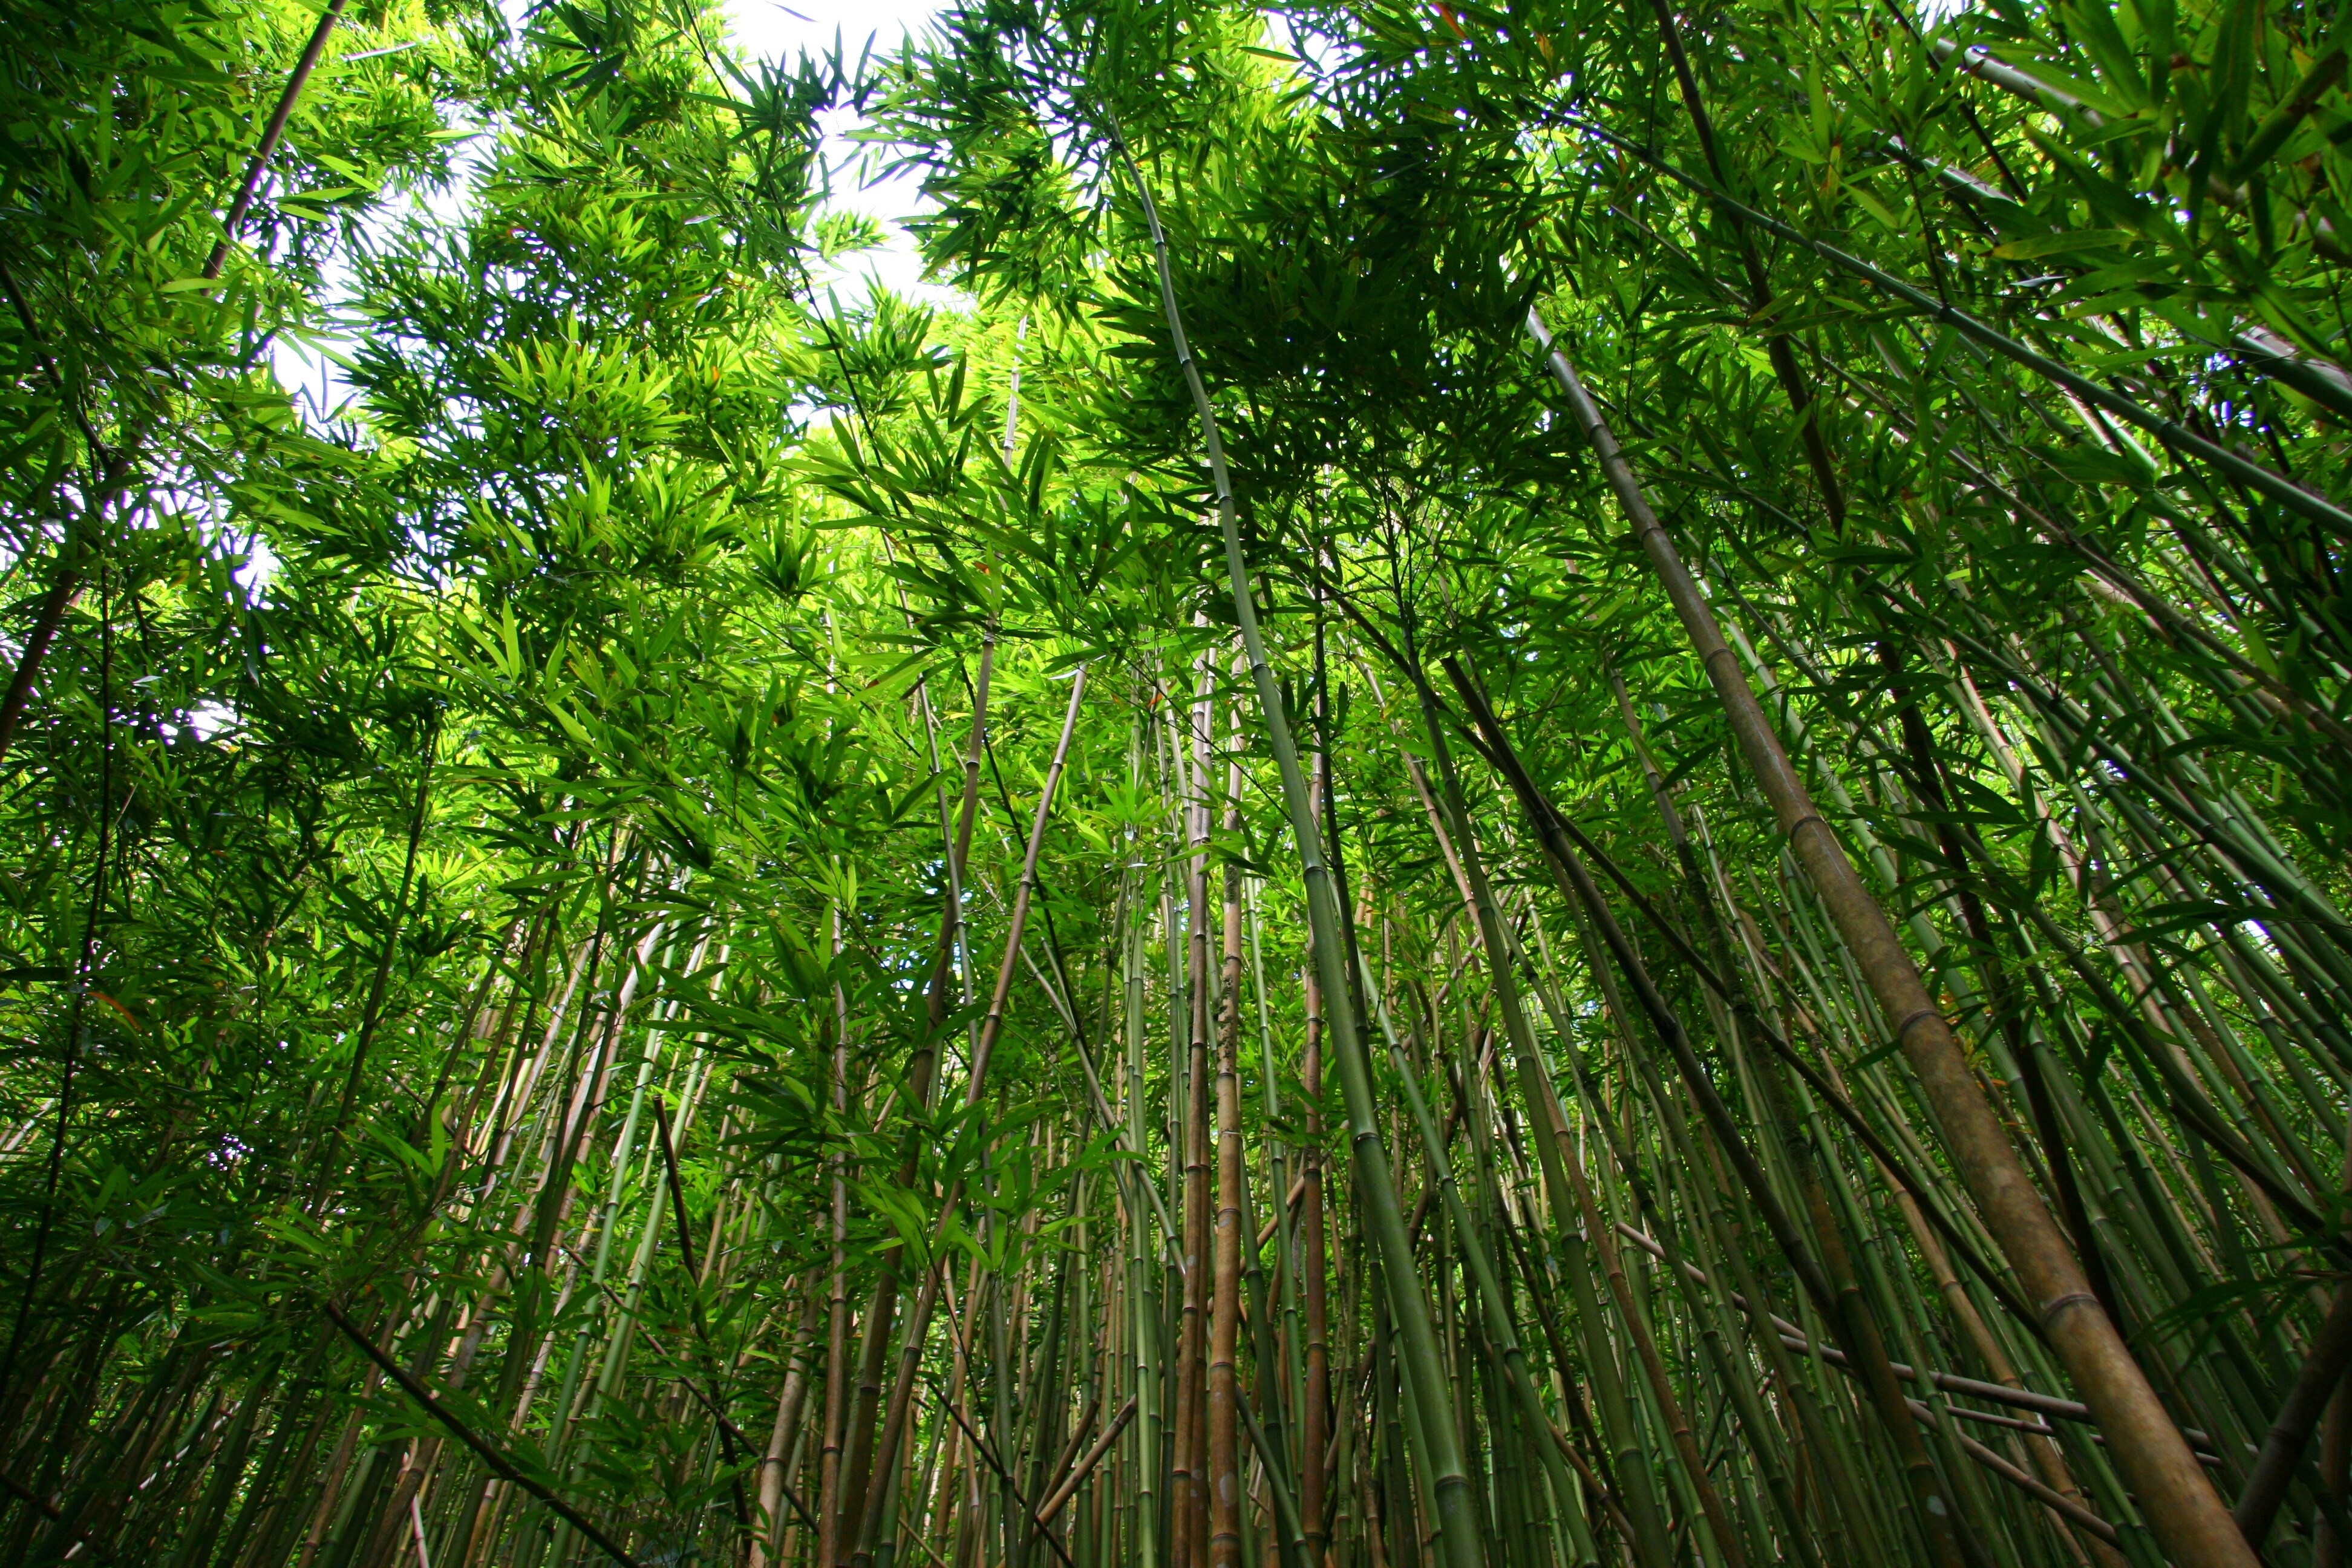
(2056, 1305)
(1903, 1029)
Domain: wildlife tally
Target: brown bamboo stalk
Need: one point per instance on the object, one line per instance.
(2335, 1462)
(874, 1346)
(272, 134)
(1316, 1450)
(1225, 1320)
(837, 1332)
(1187, 1485)
(784, 1438)
(897, 1419)
(2282, 1455)
(1052, 1505)
(2149, 1450)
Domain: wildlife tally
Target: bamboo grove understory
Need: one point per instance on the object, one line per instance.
(1543, 785)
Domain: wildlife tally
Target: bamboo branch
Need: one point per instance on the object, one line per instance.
(498, 1463)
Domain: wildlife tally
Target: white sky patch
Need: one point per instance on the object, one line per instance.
(763, 29)
(207, 720)
(303, 367)
(1315, 50)
(770, 30)
(259, 566)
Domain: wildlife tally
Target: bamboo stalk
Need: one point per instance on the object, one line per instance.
(896, 1420)
(1463, 1546)
(1222, 1408)
(2173, 1489)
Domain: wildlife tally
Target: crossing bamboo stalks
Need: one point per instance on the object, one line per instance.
(695, 854)
(2148, 1444)
(895, 1423)
(1223, 1404)
(1463, 1546)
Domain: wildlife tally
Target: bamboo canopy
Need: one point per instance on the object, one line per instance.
(1537, 785)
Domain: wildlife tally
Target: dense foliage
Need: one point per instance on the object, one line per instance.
(1570, 784)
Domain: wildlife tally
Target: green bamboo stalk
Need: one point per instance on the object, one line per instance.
(2148, 1446)
(897, 1419)
(1416, 1334)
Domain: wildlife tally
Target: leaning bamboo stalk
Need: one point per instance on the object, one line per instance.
(1464, 856)
(2043, 1449)
(784, 1440)
(490, 1454)
(1281, 1372)
(2043, 1404)
(1141, 1303)
(694, 1286)
(1730, 1367)
(1494, 1304)
(836, 1335)
(895, 1422)
(1315, 1421)
(1827, 1281)
(2148, 1447)
(922, 1072)
(1727, 1025)
(1223, 1408)
(1054, 1501)
(2316, 1384)
(1417, 1336)
(1188, 1480)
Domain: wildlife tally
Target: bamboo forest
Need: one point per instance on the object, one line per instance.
(1496, 784)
